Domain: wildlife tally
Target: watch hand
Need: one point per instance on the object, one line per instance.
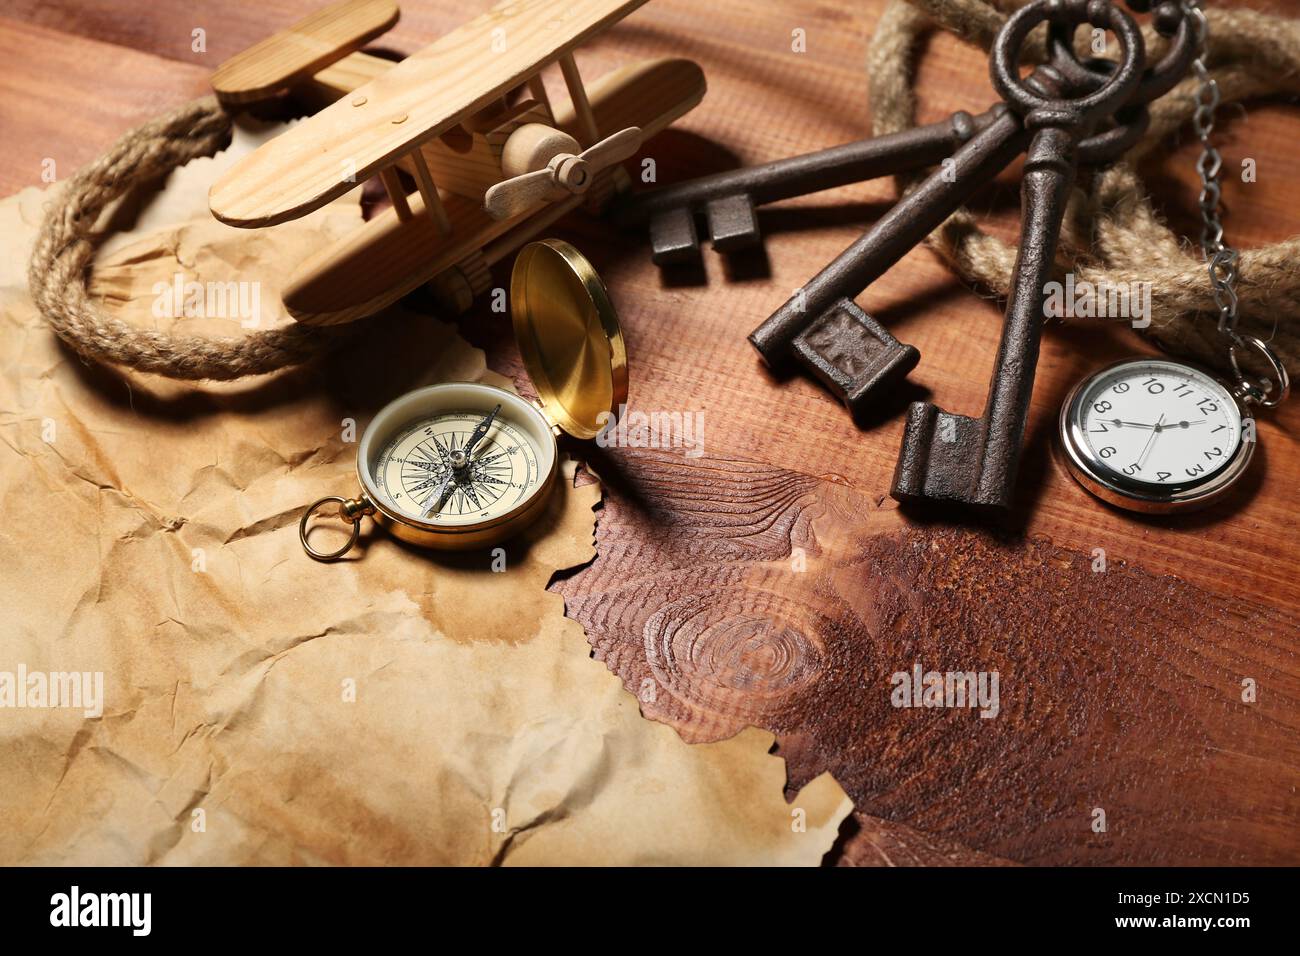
(1120, 421)
(1150, 442)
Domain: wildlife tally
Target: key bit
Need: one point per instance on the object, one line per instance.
(854, 356)
(673, 239)
(924, 472)
(732, 223)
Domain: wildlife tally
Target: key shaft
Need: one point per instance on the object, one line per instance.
(907, 224)
(813, 172)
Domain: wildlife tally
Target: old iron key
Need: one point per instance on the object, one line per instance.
(727, 199)
(853, 355)
(974, 461)
(821, 326)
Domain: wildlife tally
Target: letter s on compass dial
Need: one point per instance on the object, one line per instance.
(1154, 435)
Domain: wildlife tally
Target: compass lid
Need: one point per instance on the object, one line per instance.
(569, 336)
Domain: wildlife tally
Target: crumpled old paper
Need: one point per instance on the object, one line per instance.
(399, 707)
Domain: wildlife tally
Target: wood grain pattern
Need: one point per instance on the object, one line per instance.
(43, 73)
(327, 85)
(1119, 689)
(1129, 708)
(418, 99)
(294, 54)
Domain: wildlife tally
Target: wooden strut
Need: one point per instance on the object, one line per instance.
(396, 194)
(538, 89)
(581, 105)
(432, 201)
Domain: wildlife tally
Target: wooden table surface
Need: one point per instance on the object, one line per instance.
(1119, 690)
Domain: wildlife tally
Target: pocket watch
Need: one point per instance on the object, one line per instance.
(465, 465)
(1158, 435)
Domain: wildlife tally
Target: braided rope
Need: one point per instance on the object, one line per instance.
(64, 249)
(1119, 237)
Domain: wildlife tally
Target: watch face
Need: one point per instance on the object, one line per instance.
(1154, 431)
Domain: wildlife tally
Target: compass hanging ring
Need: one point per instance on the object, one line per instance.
(350, 510)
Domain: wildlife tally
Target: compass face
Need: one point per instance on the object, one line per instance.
(457, 464)
(421, 474)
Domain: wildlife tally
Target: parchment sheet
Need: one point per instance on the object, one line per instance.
(400, 707)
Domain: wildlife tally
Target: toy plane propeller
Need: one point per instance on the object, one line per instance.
(563, 172)
(467, 121)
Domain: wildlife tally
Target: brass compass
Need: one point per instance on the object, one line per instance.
(464, 465)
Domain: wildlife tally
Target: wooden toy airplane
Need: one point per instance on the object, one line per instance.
(468, 119)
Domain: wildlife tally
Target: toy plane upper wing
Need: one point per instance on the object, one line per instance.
(420, 98)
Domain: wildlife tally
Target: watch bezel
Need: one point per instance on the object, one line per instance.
(1118, 489)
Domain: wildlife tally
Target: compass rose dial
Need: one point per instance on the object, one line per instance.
(426, 473)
